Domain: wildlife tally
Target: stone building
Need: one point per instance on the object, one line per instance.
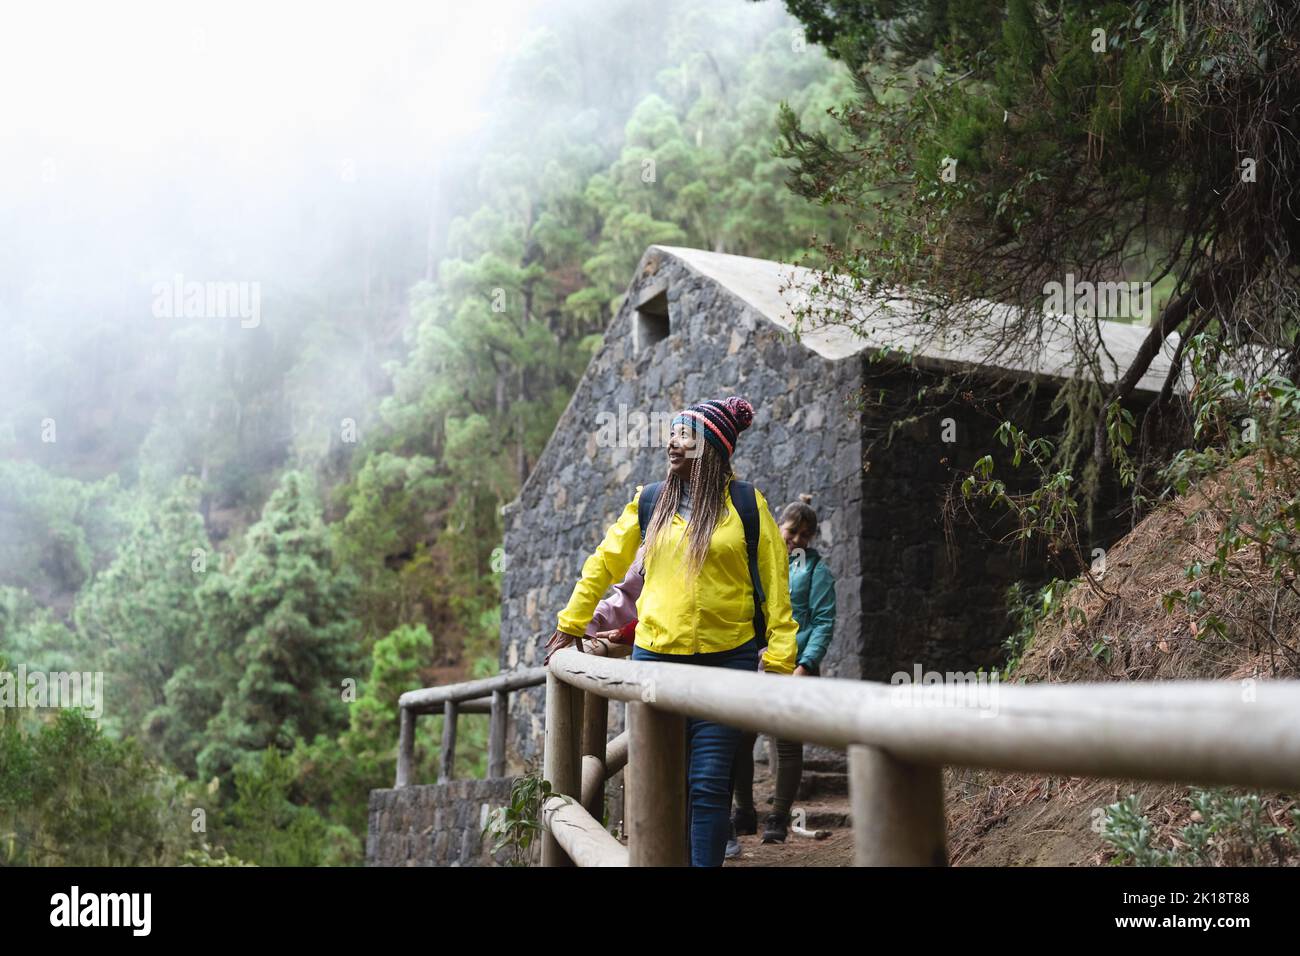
(911, 588)
(697, 325)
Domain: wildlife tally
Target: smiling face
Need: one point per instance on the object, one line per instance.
(683, 449)
(796, 535)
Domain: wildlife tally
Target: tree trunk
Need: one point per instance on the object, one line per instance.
(1214, 288)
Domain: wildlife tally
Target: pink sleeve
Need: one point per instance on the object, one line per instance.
(619, 609)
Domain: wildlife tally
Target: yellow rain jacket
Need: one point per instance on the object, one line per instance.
(716, 612)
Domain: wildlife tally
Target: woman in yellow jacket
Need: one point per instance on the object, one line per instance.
(698, 602)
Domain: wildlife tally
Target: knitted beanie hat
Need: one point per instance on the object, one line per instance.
(720, 422)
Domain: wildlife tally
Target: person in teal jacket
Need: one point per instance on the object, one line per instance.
(812, 600)
(812, 590)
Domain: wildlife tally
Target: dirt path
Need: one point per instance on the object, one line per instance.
(993, 820)
(826, 813)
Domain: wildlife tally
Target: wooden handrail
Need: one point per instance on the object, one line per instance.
(472, 697)
(900, 736)
(596, 771)
(580, 835)
(452, 700)
(420, 701)
(1213, 732)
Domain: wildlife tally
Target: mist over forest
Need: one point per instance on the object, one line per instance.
(292, 298)
(258, 413)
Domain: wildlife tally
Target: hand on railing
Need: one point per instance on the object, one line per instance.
(604, 641)
(602, 645)
(559, 640)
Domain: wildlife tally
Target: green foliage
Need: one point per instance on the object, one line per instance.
(71, 796)
(266, 826)
(207, 855)
(384, 523)
(34, 636)
(1227, 829)
(1130, 832)
(1027, 608)
(517, 825)
(1245, 464)
(140, 616)
(1049, 509)
(280, 628)
(56, 530)
(1119, 428)
(337, 773)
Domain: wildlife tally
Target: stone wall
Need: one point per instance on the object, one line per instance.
(934, 590)
(910, 589)
(934, 587)
(434, 825)
(803, 440)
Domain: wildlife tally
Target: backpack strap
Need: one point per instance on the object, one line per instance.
(645, 506)
(742, 496)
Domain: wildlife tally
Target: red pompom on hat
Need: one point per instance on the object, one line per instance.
(741, 410)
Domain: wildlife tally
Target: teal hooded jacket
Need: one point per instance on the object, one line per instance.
(812, 600)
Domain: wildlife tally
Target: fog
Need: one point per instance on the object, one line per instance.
(301, 151)
(300, 161)
(156, 138)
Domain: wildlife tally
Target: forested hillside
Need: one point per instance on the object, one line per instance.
(262, 518)
(261, 536)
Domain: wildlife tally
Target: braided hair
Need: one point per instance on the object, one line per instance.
(710, 473)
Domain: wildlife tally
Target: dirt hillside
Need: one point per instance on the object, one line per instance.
(1124, 626)
(1121, 625)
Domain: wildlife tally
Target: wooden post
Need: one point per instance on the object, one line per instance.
(596, 771)
(560, 763)
(497, 733)
(655, 784)
(897, 810)
(447, 759)
(405, 747)
(595, 726)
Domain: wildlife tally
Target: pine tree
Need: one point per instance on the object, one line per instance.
(139, 616)
(282, 631)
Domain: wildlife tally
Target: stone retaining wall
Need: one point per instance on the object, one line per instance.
(435, 824)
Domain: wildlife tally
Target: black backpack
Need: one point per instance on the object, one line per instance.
(742, 496)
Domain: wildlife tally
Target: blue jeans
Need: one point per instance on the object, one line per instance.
(710, 756)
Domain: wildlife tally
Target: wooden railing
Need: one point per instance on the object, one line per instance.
(491, 695)
(898, 739)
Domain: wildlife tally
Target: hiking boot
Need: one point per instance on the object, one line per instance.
(733, 846)
(744, 821)
(775, 827)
